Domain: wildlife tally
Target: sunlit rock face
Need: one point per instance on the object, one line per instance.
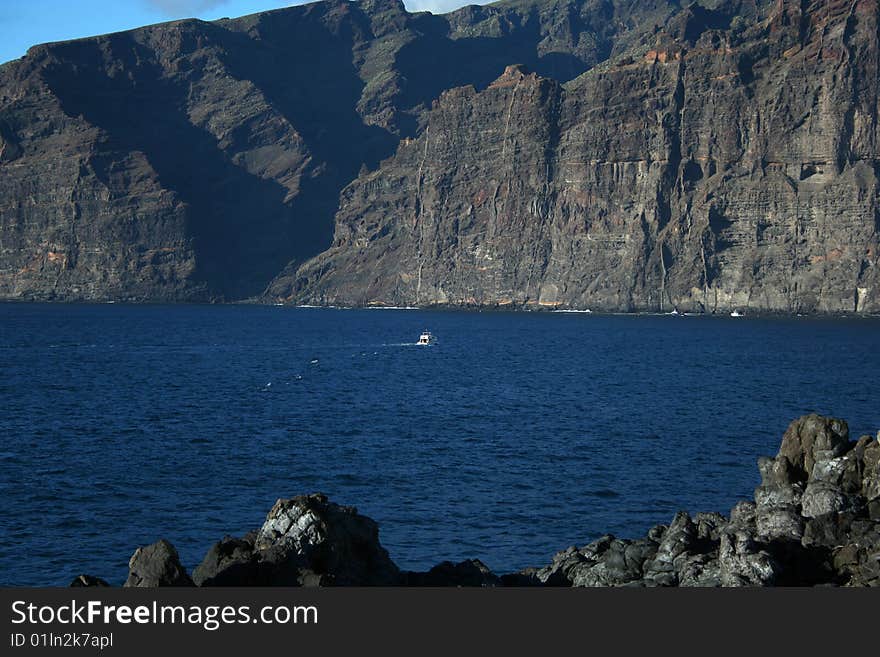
(727, 162)
(195, 161)
(608, 154)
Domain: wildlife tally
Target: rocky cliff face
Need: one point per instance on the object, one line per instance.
(195, 160)
(727, 161)
(611, 154)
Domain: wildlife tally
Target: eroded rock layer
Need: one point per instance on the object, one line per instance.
(608, 154)
(727, 161)
(194, 160)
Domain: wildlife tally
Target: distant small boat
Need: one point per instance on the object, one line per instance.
(426, 338)
(736, 313)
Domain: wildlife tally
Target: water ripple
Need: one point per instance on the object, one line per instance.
(515, 436)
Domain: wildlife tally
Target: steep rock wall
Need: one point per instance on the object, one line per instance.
(728, 165)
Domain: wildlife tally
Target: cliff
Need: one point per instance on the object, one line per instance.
(610, 154)
(195, 160)
(730, 163)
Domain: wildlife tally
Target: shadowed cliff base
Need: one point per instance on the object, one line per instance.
(814, 521)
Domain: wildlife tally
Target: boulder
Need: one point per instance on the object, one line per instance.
(870, 451)
(88, 580)
(743, 516)
(679, 542)
(337, 544)
(591, 570)
(521, 578)
(778, 499)
(834, 485)
(779, 522)
(471, 572)
(858, 565)
(621, 563)
(828, 530)
(813, 438)
(743, 562)
(305, 541)
(699, 570)
(710, 526)
(560, 571)
(232, 562)
(821, 498)
(156, 565)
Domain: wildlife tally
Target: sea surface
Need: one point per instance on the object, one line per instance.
(515, 436)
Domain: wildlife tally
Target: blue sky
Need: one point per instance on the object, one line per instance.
(24, 23)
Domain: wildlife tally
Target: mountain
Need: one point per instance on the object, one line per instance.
(610, 154)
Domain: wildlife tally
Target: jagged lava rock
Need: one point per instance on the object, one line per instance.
(234, 562)
(471, 572)
(87, 581)
(813, 521)
(156, 565)
(305, 541)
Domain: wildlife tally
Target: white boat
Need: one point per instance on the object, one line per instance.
(736, 313)
(426, 338)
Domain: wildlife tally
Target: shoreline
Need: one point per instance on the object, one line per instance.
(814, 521)
(453, 308)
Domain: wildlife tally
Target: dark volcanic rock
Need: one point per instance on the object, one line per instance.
(777, 500)
(562, 570)
(728, 161)
(156, 565)
(522, 578)
(621, 562)
(678, 544)
(472, 572)
(335, 542)
(195, 160)
(608, 561)
(88, 580)
(305, 541)
(812, 522)
(810, 439)
(233, 562)
(613, 154)
(742, 561)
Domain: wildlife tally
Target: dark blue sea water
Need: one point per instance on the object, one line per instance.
(514, 437)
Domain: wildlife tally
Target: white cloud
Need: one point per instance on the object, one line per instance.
(439, 6)
(184, 7)
(178, 8)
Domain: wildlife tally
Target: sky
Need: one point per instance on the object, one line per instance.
(24, 23)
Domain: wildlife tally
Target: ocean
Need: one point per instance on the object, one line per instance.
(513, 437)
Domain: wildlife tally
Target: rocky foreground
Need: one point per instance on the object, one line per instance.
(815, 520)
